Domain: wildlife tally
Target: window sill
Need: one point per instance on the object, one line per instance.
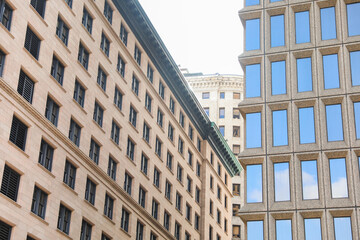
(137, 96)
(19, 149)
(116, 144)
(132, 161)
(109, 219)
(172, 141)
(10, 200)
(179, 211)
(41, 18)
(62, 43)
(128, 234)
(98, 126)
(149, 112)
(147, 143)
(82, 109)
(119, 110)
(31, 56)
(158, 188)
(106, 56)
(39, 218)
(121, 76)
(189, 221)
(170, 170)
(180, 182)
(7, 30)
(72, 190)
(102, 90)
(169, 200)
(57, 83)
(85, 70)
(161, 127)
(145, 175)
(69, 8)
(89, 204)
(46, 170)
(133, 127)
(181, 154)
(191, 195)
(64, 234)
(159, 157)
(88, 32)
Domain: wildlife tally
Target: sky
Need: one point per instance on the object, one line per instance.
(201, 35)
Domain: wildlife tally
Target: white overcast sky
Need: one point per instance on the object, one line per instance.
(201, 35)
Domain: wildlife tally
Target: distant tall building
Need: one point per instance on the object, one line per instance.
(302, 119)
(220, 95)
(100, 135)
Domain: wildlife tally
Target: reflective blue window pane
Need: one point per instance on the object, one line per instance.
(355, 69)
(334, 123)
(252, 34)
(306, 125)
(282, 181)
(277, 31)
(255, 230)
(309, 180)
(353, 19)
(302, 27)
(342, 226)
(312, 228)
(280, 129)
(251, 2)
(222, 130)
(357, 119)
(252, 78)
(304, 74)
(275, 1)
(328, 23)
(253, 130)
(254, 183)
(283, 229)
(331, 71)
(278, 78)
(338, 178)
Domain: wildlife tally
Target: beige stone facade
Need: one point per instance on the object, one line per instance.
(329, 206)
(67, 106)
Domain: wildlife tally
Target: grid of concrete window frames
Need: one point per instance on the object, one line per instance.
(105, 135)
(302, 119)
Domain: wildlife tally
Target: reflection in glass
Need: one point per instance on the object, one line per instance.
(254, 183)
(312, 228)
(283, 229)
(282, 181)
(357, 119)
(302, 27)
(331, 71)
(280, 129)
(328, 23)
(251, 2)
(275, 1)
(278, 78)
(304, 74)
(253, 130)
(353, 19)
(338, 178)
(354, 65)
(222, 130)
(306, 125)
(277, 31)
(252, 34)
(255, 230)
(252, 78)
(309, 180)
(334, 123)
(342, 227)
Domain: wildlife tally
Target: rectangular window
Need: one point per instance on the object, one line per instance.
(357, 118)
(64, 219)
(137, 55)
(254, 183)
(69, 174)
(161, 90)
(188, 212)
(190, 158)
(169, 160)
(87, 20)
(331, 71)
(211, 207)
(132, 116)
(189, 184)
(236, 231)
(207, 111)
(197, 195)
(306, 125)
(198, 145)
(171, 132)
(101, 78)
(5, 231)
(302, 27)
(26, 86)
(312, 228)
(236, 95)
(278, 78)
(123, 34)
(253, 130)
(304, 74)
(115, 132)
(280, 129)
(328, 23)
(179, 174)
(353, 19)
(355, 71)
(105, 44)
(83, 56)
(135, 85)
(108, 12)
(283, 229)
(309, 178)
(342, 227)
(79, 93)
(182, 119)
(125, 217)
(218, 192)
(10, 183)
(167, 220)
(156, 178)
(218, 216)
(39, 200)
(18, 133)
(198, 169)
(252, 34)
(57, 70)
(90, 191)
(142, 196)
(338, 178)
(252, 81)
(130, 150)
(69, 3)
(160, 117)
(334, 123)
(172, 105)
(191, 132)
(181, 146)
(277, 34)
(74, 132)
(121, 66)
(236, 131)
(178, 201)
(211, 182)
(52, 111)
(158, 146)
(146, 133)
(255, 230)
(197, 222)
(148, 101)
(205, 95)
(221, 112)
(62, 31)
(210, 233)
(168, 188)
(155, 209)
(98, 114)
(127, 183)
(2, 62)
(32, 43)
(222, 95)
(6, 14)
(46, 155)
(282, 181)
(236, 189)
(104, 237)
(139, 231)
(236, 113)
(144, 164)
(39, 6)
(86, 229)
(108, 206)
(111, 171)
(150, 73)
(177, 231)
(118, 97)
